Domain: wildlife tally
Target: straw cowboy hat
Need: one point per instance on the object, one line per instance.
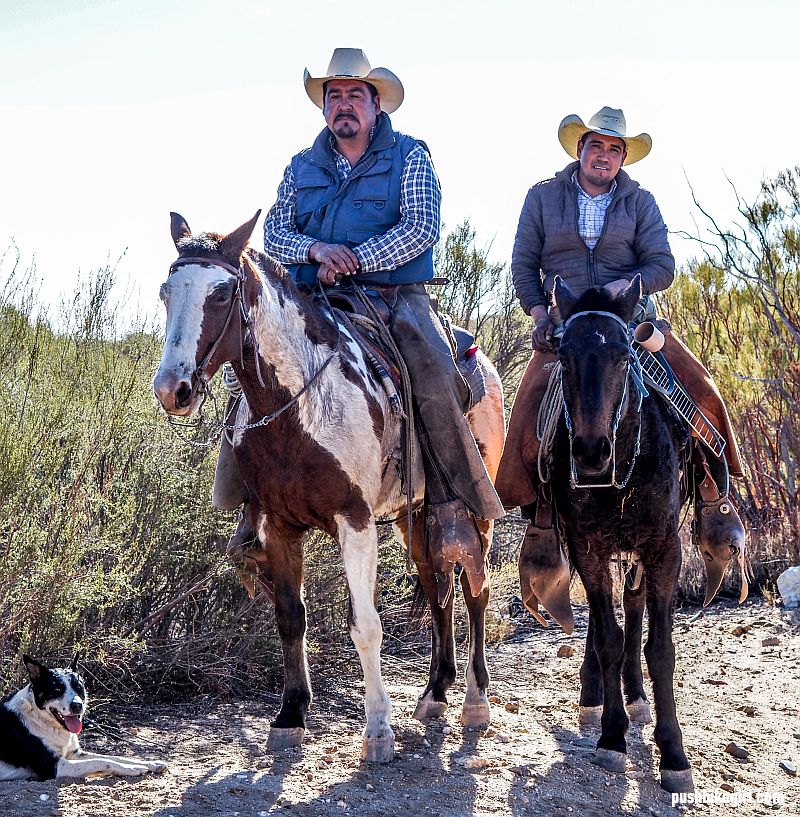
(352, 63)
(609, 122)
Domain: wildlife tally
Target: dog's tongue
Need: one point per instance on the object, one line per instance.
(73, 723)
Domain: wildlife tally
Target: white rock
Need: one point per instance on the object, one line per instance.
(789, 587)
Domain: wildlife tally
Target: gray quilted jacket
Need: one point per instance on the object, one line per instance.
(547, 244)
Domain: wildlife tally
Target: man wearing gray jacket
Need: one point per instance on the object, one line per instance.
(595, 226)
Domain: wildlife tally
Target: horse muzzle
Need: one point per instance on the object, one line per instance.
(176, 393)
(592, 455)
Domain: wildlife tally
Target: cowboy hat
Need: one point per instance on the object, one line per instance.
(352, 63)
(609, 122)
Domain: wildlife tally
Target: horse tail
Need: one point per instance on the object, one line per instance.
(419, 603)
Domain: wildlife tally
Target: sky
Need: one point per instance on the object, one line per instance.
(116, 112)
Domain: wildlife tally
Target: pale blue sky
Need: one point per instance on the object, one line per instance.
(116, 112)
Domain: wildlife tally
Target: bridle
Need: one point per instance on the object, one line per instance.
(199, 372)
(634, 373)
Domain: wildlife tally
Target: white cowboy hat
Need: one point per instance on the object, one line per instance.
(352, 63)
(609, 122)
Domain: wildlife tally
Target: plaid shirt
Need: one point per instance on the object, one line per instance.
(418, 228)
(592, 212)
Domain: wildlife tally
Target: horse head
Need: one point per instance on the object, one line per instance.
(205, 295)
(595, 357)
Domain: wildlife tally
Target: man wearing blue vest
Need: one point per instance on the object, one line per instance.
(364, 201)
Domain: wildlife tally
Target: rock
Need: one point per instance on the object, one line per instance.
(788, 767)
(737, 751)
(565, 651)
(634, 774)
(446, 730)
(727, 787)
(742, 629)
(369, 787)
(772, 641)
(477, 762)
(512, 706)
(502, 737)
(341, 804)
(495, 699)
(750, 711)
(789, 588)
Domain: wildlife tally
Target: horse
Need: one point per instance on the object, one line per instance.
(616, 486)
(317, 442)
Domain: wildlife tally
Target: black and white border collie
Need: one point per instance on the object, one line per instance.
(39, 728)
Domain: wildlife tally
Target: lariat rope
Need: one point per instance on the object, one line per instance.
(551, 410)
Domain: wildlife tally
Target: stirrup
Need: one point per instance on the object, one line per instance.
(453, 537)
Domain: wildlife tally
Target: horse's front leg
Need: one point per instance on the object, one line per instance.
(676, 776)
(284, 560)
(360, 554)
(433, 701)
(475, 713)
(608, 645)
(633, 602)
(590, 710)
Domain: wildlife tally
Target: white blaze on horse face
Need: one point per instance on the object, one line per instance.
(184, 294)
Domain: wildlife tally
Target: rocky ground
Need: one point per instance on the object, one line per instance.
(738, 682)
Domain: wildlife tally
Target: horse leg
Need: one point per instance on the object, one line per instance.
(591, 700)
(433, 701)
(608, 644)
(475, 712)
(676, 775)
(633, 602)
(360, 553)
(285, 564)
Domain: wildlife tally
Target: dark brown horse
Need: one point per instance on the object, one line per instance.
(317, 443)
(617, 489)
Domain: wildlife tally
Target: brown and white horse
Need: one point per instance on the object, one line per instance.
(326, 460)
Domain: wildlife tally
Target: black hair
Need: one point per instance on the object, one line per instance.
(373, 91)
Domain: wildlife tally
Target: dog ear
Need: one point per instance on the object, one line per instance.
(74, 665)
(34, 667)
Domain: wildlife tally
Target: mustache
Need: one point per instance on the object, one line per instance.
(344, 116)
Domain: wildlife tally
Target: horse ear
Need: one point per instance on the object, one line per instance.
(630, 297)
(74, 665)
(178, 227)
(564, 297)
(233, 244)
(33, 666)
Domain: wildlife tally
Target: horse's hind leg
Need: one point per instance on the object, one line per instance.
(676, 776)
(360, 553)
(433, 701)
(285, 556)
(475, 713)
(636, 704)
(591, 700)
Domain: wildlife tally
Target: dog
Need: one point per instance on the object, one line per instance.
(39, 728)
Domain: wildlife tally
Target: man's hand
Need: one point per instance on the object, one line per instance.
(333, 260)
(542, 338)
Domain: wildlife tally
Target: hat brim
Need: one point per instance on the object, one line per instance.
(388, 85)
(572, 129)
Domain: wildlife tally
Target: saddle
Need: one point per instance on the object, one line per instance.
(350, 310)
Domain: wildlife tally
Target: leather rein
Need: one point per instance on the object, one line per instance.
(238, 298)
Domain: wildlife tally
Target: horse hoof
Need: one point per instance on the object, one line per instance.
(427, 708)
(378, 750)
(610, 760)
(639, 711)
(475, 716)
(590, 715)
(280, 739)
(677, 782)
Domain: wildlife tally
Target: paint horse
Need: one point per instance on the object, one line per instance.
(616, 486)
(317, 444)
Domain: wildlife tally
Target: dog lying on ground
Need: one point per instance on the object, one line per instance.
(39, 728)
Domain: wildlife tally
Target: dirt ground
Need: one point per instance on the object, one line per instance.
(533, 760)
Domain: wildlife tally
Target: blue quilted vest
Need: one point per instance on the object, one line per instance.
(365, 205)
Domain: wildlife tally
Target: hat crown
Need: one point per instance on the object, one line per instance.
(608, 119)
(348, 62)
